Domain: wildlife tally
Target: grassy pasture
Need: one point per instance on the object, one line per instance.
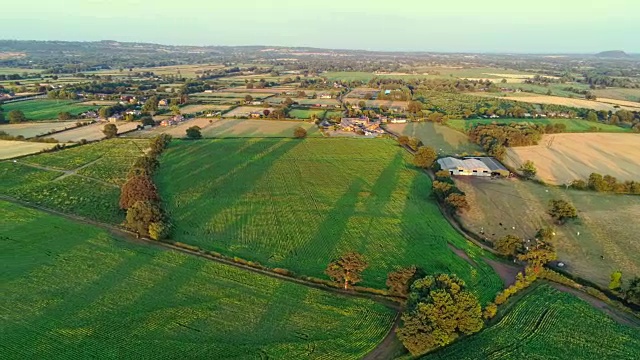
(565, 101)
(306, 114)
(607, 225)
(445, 140)
(256, 128)
(195, 108)
(44, 109)
(92, 132)
(573, 125)
(73, 291)
(298, 204)
(619, 94)
(245, 111)
(548, 324)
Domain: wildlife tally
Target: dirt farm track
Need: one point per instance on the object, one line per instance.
(562, 158)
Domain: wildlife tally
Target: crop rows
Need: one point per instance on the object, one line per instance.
(298, 204)
(72, 291)
(548, 324)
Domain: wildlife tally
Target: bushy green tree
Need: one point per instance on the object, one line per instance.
(439, 309)
(562, 211)
(425, 157)
(300, 132)
(141, 215)
(616, 281)
(347, 269)
(528, 169)
(194, 132)
(16, 116)
(110, 131)
(508, 245)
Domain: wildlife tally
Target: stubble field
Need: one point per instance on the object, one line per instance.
(298, 204)
(562, 158)
(12, 149)
(74, 291)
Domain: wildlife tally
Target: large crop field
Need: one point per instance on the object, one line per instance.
(46, 109)
(257, 128)
(572, 102)
(573, 125)
(83, 180)
(445, 140)
(549, 324)
(298, 204)
(306, 114)
(12, 149)
(33, 129)
(92, 132)
(73, 291)
(601, 241)
(562, 158)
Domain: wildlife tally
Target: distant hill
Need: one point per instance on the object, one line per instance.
(619, 54)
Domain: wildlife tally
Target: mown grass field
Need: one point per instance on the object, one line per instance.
(73, 291)
(573, 125)
(226, 128)
(298, 204)
(44, 109)
(306, 114)
(82, 180)
(549, 324)
(445, 140)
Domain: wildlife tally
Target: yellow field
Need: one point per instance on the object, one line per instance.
(177, 131)
(11, 149)
(245, 111)
(33, 129)
(557, 100)
(562, 158)
(603, 240)
(91, 132)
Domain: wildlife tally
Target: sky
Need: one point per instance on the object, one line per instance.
(508, 26)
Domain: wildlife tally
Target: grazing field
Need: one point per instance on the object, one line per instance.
(445, 140)
(92, 132)
(176, 131)
(601, 241)
(306, 114)
(257, 128)
(44, 109)
(33, 129)
(12, 149)
(297, 204)
(245, 111)
(619, 94)
(73, 291)
(191, 109)
(548, 324)
(573, 125)
(562, 158)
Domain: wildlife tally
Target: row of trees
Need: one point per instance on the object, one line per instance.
(607, 183)
(139, 196)
(495, 138)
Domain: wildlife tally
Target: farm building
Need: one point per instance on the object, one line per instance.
(478, 166)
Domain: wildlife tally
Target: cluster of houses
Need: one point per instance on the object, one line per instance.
(174, 120)
(361, 124)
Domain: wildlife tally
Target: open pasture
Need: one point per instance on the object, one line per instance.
(257, 128)
(297, 204)
(445, 140)
(573, 125)
(245, 111)
(306, 114)
(564, 101)
(176, 131)
(198, 108)
(607, 225)
(45, 109)
(33, 129)
(74, 291)
(619, 94)
(12, 149)
(562, 158)
(548, 324)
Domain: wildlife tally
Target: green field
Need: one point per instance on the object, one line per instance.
(90, 186)
(445, 140)
(619, 94)
(549, 324)
(46, 109)
(306, 114)
(72, 291)
(573, 125)
(298, 204)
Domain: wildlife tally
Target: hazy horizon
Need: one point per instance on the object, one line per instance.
(457, 26)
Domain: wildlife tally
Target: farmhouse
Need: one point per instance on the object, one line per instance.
(398, 121)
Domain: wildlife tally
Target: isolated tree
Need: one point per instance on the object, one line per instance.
(546, 234)
(616, 281)
(439, 310)
(65, 115)
(347, 269)
(16, 116)
(562, 211)
(403, 140)
(138, 188)
(141, 215)
(194, 132)
(425, 157)
(110, 131)
(399, 281)
(508, 245)
(300, 133)
(457, 202)
(528, 169)
(248, 99)
(150, 106)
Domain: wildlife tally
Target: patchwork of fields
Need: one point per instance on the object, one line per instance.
(44, 109)
(73, 291)
(548, 324)
(562, 158)
(601, 241)
(298, 204)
